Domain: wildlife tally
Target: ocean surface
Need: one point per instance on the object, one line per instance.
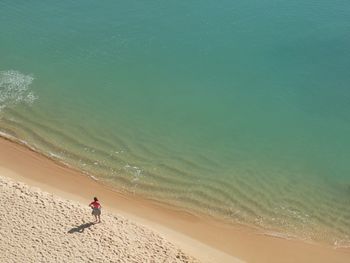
(236, 109)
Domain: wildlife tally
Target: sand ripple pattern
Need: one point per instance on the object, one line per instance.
(50, 229)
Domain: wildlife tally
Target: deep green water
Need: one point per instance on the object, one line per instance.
(238, 109)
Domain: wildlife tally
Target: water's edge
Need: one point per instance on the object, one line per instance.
(249, 228)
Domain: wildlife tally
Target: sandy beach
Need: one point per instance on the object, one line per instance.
(41, 227)
(46, 219)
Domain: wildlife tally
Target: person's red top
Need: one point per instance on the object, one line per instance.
(95, 204)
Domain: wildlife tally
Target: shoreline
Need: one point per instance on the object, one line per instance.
(194, 234)
(63, 230)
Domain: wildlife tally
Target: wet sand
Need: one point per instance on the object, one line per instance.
(201, 237)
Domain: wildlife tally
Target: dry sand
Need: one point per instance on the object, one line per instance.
(203, 238)
(36, 226)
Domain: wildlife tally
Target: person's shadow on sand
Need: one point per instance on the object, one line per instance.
(81, 228)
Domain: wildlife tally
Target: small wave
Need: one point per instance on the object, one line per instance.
(279, 235)
(93, 177)
(135, 171)
(14, 89)
(339, 244)
(54, 155)
(15, 139)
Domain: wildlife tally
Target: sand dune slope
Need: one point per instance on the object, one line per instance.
(40, 227)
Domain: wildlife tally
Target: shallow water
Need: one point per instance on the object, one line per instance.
(239, 110)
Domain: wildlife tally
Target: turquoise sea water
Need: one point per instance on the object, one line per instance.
(237, 109)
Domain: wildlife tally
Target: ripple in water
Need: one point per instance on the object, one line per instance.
(14, 89)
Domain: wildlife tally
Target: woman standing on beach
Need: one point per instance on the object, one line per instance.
(96, 209)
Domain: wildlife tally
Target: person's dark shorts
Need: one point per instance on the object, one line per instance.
(96, 211)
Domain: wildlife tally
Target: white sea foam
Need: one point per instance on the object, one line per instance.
(6, 135)
(135, 171)
(342, 243)
(278, 235)
(54, 155)
(93, 177)
(12, 138)
(14, 89)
